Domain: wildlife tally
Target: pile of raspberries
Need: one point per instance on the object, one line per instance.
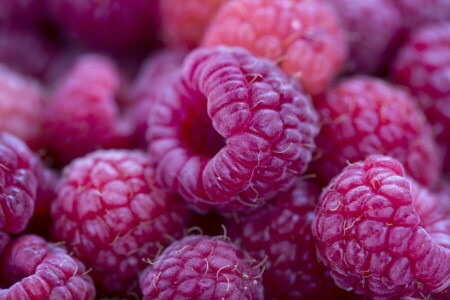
(225, 149)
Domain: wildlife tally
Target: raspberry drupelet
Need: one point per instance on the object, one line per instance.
(279, 234)
(33, 269)
(110, 214)
(304, 36)
(83, 115)
(378, 233)
(423, 67)
(362, 116)
(202, 267)
(232, 130)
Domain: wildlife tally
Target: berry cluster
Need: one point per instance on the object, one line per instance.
(225, 149)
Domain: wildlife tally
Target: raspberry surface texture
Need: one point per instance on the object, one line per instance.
(33, 269)
(83, 115)
(375, 238)
(304, 37)
(423, 66)
(201, 267)
(21, 107)
(362, 116)
(279, 234)
(232, 131)
(110, 214)
(115, 25)
(184, 22)
(372, 26)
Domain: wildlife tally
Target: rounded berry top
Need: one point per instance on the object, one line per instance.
(232, 130)
(201, 267)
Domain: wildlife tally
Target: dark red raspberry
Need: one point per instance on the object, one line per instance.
(362, 116)
(279, 234)
(184, 22)
(304, 36)
(111, 215)
(83, 115)
(372, 26)
(21, 13)
(423, 66)
(113, 24)
(33, 269)
(4, 240)
(233, 130)
(21, 107)
(18, 183)
(153, 76)
(201, 267)
(375, 238)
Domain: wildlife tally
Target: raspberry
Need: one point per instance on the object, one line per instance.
(4, 240)
(22, 13)
(423, 66)
(83, 115)
(201, 267)
(280, 235)
(34, 269)
(363, 116)
(374, 237)
(233, 131)
(22, 118)
(111, 215)
(372, 26)
(113, 25)
(303, 36)
(184, 22)
(155, 72)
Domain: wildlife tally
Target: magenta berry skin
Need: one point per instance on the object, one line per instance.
(202, 267)
(373, 236)
(362, 116)
(372, 27)
(279, 234)
(110, 214)
(33, 269)
(82, 115)
(232, 131)
(423, 67)
(113, 25)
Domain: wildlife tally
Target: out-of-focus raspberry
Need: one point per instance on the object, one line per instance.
(423, 66)
(110, 214)
(362, 116)
(372, 26)
(83, 115)
(232, 131)
(21, 13)
(116, 25)
(304, 36)
(184, 22)
(152, 78)
(201, 267)
(21, 107)
(376, 235)
(279, 235)
(33, 269)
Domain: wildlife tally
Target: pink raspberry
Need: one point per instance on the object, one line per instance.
(374, 236)
(372, 26)
(201, 267)
(362, 116)
(154, 74)
(83, 115)
(114, 24)
(184, 22)
(110, 214)
(31, 268)
(423, 66)
(232, 131)
(279, 234)
(304, 36)
(21, 107)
